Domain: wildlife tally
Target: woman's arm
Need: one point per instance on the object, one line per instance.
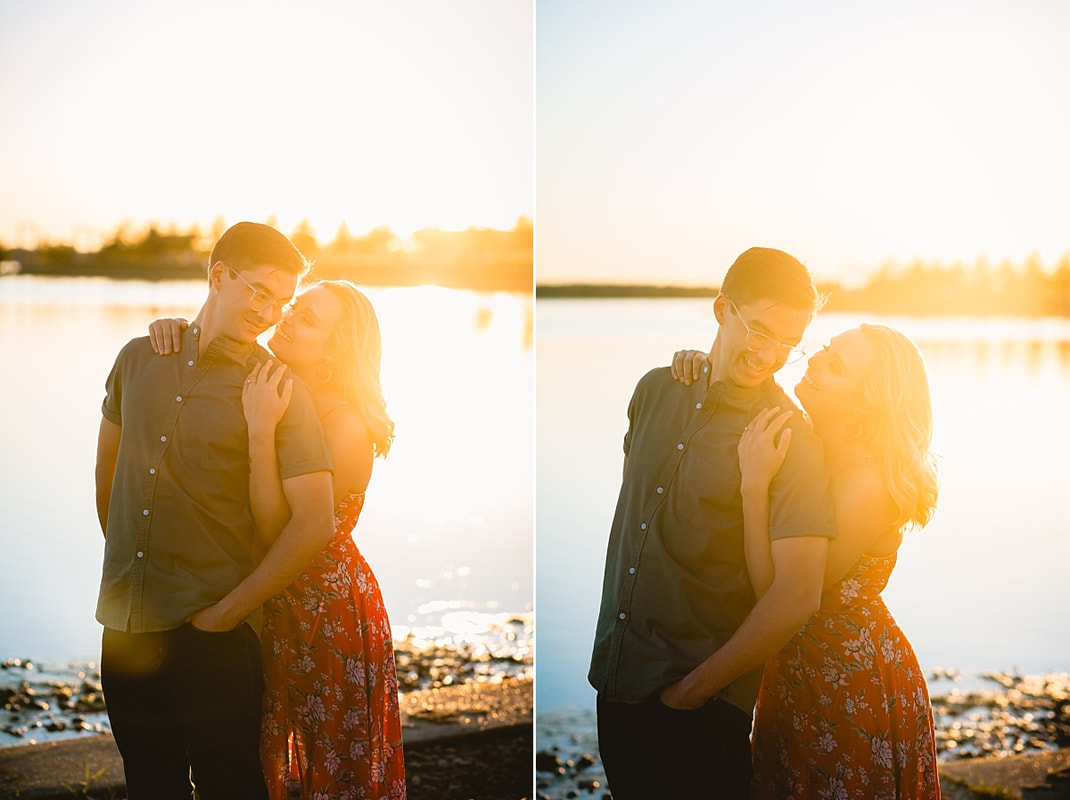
(760, 457)
(756, 540)
(264, 406)
(865, 512)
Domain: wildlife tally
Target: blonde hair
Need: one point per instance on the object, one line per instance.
(358, 351)
(899, 424)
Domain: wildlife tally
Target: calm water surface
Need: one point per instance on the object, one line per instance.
(447, 526)
(984, 587)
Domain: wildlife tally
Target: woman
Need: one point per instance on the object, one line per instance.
(843, 709)
(331, 716)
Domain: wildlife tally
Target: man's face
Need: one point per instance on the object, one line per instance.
(756, 338)
(251, 300)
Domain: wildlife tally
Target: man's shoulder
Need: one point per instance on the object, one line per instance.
(659, 401)
(658, 387)
(656, 380)
(137, 349)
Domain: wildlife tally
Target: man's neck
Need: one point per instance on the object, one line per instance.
(718, 367)
(207, 331)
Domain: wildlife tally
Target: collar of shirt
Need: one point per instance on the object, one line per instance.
(219, 346)
(732, 394)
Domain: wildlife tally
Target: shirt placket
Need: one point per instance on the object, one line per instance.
(651, 504)
(193, 370)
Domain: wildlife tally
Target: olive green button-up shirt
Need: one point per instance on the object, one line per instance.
(676, 587)
(180, 530)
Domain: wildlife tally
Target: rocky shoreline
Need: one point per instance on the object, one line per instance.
(1018, 714)
(1009, 715)
(44, 702)
(470, 740)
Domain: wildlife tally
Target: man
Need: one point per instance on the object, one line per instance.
(180, 669)
(680, 641)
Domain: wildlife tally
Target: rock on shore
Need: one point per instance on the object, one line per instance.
(468, 741)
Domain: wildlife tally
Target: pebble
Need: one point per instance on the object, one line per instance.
(59, 702)
(1020, 714)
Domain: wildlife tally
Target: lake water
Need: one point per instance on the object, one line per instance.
(447, 526)
(984, 587)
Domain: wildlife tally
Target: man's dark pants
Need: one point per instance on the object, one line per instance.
(185, 700)
(652, 751)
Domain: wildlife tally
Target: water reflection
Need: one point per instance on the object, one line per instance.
(449, 512)
(981, 589)
(1035, 355)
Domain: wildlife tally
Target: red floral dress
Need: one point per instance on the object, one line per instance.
(331, 717)
(843, 711)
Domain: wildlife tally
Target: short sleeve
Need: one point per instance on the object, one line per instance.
(299, 438)
(636, 405)
(633, 405)
(800, 503)
(112, 407)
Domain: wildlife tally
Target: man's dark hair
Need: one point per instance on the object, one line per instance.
(253, 244)
(762, 273)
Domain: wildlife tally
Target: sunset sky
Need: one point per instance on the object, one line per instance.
(672, 136)
(408, 114)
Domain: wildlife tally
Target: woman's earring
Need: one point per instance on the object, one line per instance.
(319, 372)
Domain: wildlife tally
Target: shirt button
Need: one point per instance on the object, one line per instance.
(680, 446)
(195, 330)
(642, 527)
(178, 399)
(660, 490)
(163, 438)
(706, 368)
(631, 570)
(140, 554)
(152, 470)
(144, 512)
(623, 615)
(698, 405)
(189, 363)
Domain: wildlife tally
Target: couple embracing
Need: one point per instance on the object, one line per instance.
(742, 646)
(245, 639)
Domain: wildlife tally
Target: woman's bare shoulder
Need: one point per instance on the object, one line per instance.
(864, 504)
(346, 426)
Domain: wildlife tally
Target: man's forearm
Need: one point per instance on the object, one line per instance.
(310, 527)
(104, 473)
(103, 505)
(775, 618)
(297, 545)
(798, 565)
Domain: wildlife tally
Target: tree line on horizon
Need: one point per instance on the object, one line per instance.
(920, 288)
(483, 259)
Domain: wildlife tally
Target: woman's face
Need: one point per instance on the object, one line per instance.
(303, 336)
(834, 375)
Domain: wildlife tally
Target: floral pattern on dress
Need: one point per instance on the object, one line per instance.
(331, 715)
(843, 711)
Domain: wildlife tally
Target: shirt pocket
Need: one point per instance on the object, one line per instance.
(708, 491)
(710, 516)
(211, 436)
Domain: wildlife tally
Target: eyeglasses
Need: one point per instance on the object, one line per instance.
(261, 299)
(758, 341)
